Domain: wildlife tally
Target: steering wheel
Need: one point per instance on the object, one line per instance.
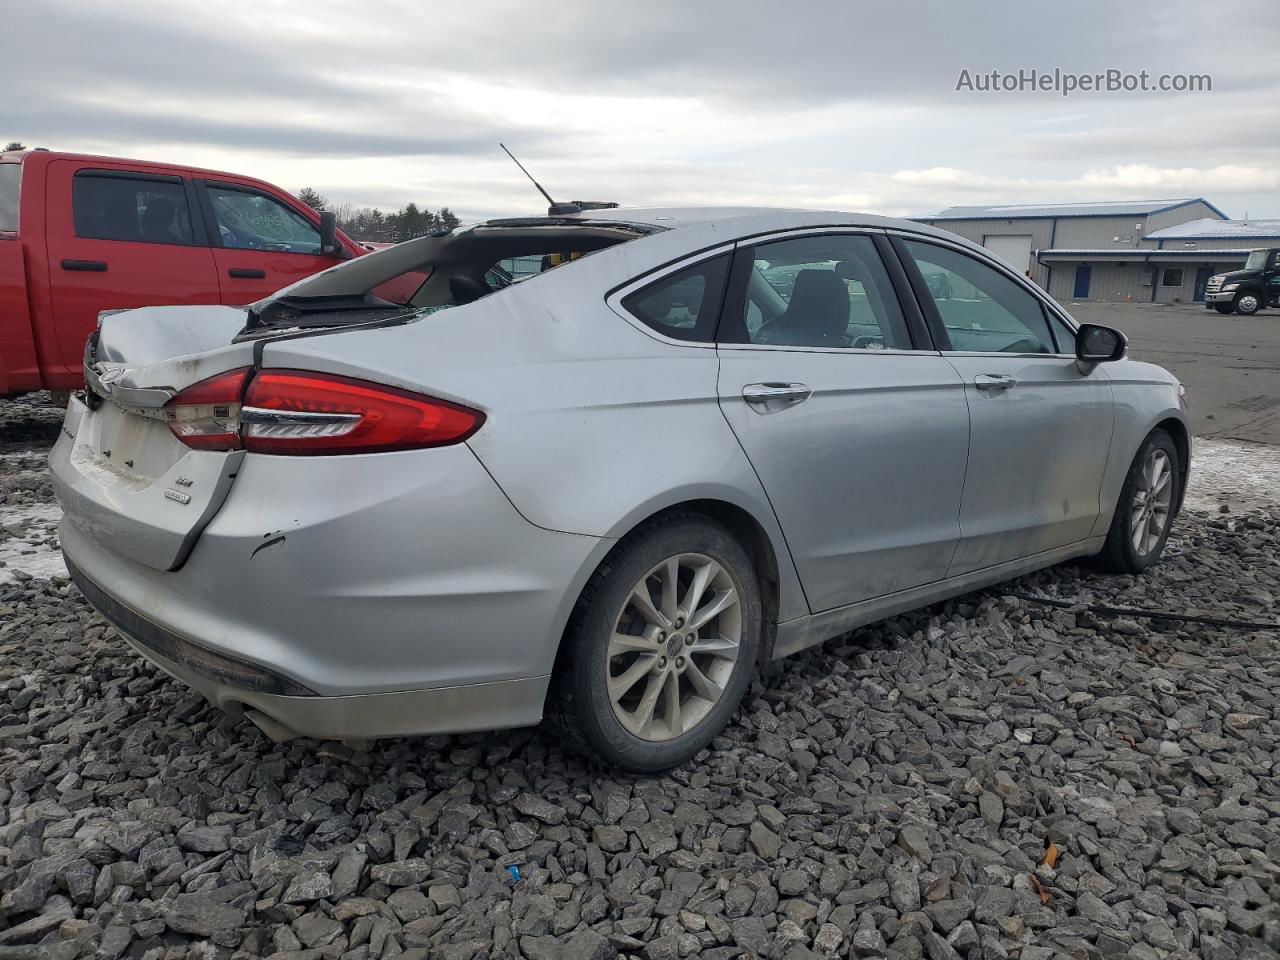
(1025, 345)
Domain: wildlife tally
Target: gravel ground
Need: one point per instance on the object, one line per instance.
(987, 778)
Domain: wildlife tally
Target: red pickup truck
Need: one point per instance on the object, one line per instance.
(81, 234)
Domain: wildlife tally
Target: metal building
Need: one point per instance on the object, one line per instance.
(1160, 251)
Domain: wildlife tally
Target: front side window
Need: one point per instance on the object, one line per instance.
(982, 310)
(1065, 336)
(683, 305)
(249, 220)
(1256, 260)
(10, 184)
(106, 207)
(1172, 277)
(824, 291)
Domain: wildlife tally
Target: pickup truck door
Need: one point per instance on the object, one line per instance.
(261, 241)
(116, 237)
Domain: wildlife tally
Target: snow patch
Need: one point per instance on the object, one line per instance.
(1239, 474)
(29, 542)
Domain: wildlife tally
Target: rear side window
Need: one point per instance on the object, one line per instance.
(10, 182)
(829, 291)
(143, 210)
(683, 305)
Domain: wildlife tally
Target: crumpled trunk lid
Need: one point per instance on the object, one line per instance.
(121, 476)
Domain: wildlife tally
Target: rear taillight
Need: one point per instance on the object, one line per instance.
(206, 415)
(296, 412)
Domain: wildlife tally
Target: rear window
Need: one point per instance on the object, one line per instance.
(10, 180)
(141, 209)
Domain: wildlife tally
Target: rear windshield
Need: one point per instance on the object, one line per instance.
(434, 273)
(10, 179)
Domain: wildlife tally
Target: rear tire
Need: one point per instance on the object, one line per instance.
(644, 682)
(1144, 514)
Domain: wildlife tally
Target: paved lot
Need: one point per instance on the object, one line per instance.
(1230, 364)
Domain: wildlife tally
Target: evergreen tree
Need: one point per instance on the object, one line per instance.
(313, 199)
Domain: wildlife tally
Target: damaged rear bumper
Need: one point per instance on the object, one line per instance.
(334, 600)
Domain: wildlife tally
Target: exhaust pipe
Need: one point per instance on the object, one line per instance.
(272, 727)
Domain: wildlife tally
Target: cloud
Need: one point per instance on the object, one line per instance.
(1146, 177)
(829, 104)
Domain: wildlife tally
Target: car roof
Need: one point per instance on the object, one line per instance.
(675, 217)
(738, 222)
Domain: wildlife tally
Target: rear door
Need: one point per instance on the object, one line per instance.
(261, 241)
(119, 238)
(857, 429)
(1040, 428)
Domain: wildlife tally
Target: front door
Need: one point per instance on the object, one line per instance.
(1083, 273)
(117, 239)
(261, 242)
(1202, 281)
(858, 437)
(1040, 429)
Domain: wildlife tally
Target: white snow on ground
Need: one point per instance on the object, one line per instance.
(1242, 475)
(30, 544)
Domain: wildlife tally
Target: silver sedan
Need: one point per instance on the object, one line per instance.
(415, 494)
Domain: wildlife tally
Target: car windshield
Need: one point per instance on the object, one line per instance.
(1257, 260)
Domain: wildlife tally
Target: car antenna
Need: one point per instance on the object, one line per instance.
(555, 209)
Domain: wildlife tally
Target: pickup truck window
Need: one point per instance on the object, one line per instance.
(141, 209)
(10, 180)
(249, 220)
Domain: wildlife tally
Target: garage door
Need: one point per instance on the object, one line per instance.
(1015, 248)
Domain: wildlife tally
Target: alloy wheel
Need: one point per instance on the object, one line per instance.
(674, 646)
(1152, 501)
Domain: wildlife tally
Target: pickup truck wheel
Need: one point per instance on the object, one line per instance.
(1247, 304)
(661, 648)
(1223, 307)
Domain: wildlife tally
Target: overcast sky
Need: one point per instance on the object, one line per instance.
(844, 105)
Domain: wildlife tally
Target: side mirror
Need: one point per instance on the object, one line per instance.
(329, 235)
(1098, 344)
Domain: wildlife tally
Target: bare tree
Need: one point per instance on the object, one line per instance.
(14, 145)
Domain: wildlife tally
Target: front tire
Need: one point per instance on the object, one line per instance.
(661, 647)
(1223, 307)
(1247, 304)
(1144, 514)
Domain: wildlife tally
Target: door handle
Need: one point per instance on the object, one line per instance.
(92, 266)
(776, 393)
(993, 382)
(247, 273)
